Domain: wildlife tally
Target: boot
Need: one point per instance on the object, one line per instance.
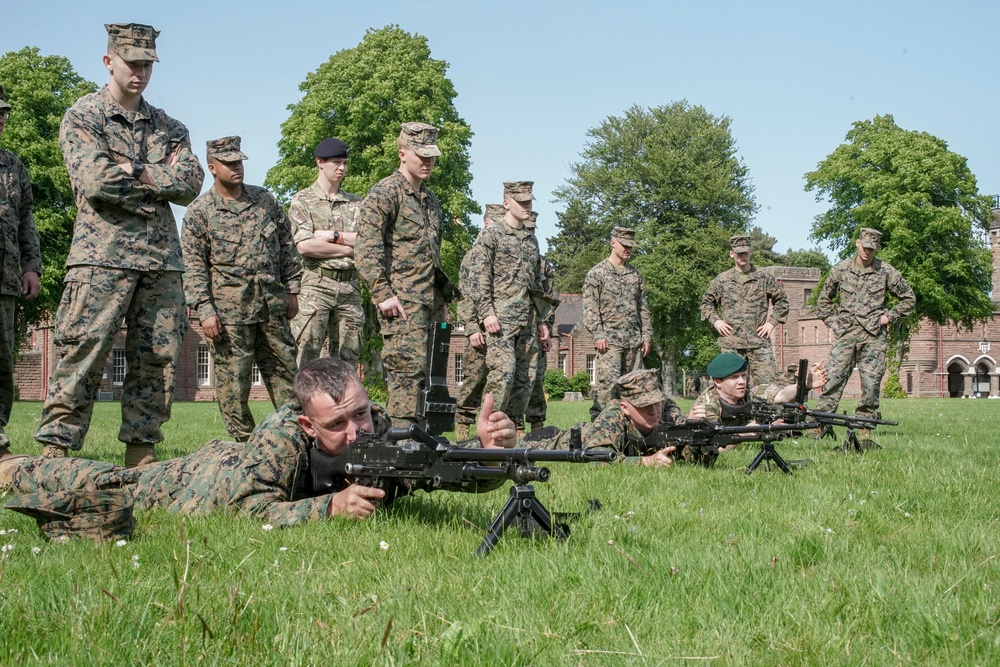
(139, 455)
(865, 441)
(536, 425)
(53, 452)
(461, 432)
(9, 463)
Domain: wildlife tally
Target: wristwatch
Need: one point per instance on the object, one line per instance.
(336, 237)
(137, 169)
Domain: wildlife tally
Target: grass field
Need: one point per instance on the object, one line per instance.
(876, 559)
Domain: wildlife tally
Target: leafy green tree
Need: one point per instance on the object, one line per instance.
(40, 89)
(811, 258)
(925, 201)
(672, 173)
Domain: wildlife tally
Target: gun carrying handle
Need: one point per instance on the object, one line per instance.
(801, 386)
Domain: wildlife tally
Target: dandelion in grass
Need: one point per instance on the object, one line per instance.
(36, 550)
(267, 527)
(383, 545)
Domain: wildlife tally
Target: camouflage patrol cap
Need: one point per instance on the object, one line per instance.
(494, 212)
(3, 99)
(518, 190)
(421, 137)
(725, 365)
(640, 388)
(624, 235)
(132, 41)
(97, 515)
(226, 149)
(870, 238)
(739, 243)
(532, 221)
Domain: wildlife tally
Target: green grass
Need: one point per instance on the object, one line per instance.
(876, 559)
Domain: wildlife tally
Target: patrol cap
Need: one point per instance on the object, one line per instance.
(640, 388)
(3, 99)
(97, 515)
(331, 148)
(518, 190)
(421, 137)
(494, 212)
(624, 235)
(226, 149)
(870, 238)
(132, 41)
(739, 243)
(725, 365)
(532, 220)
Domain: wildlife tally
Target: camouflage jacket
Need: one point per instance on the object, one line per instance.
(468, 308)
(121, 222)
(612, 428)
(864, 294)
(312, 209)
(713, 402)
(20, 251)
(547, 283)
(614, 305)
(504, 273)
(240, 257)
(742, 299)
(398, 248)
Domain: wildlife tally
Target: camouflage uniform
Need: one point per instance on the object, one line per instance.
(267, 476)
(615, 309)
(398, 253)
(860, 338)
(537, 409)
(124, 264)
(330, 303)
(505, 274)
(742, 300)
(20, 254)
(713, 402)
(241, 262)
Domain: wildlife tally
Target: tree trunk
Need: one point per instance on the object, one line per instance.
(668, 374)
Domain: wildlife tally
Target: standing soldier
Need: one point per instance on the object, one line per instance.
(242, 280)
(398, 255)
(859, 321)
(616, 314)
(127, 161)
(537, 409)
(21, 263)
(505, 271)
(324, 219)
(470, 394)
(737, 304)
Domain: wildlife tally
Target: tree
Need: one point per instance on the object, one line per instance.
(672, 173)
(40, 89)
(924, 200)
(811, 257)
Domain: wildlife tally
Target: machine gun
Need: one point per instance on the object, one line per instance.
(797, 412)
(705, 439)
(407, 459)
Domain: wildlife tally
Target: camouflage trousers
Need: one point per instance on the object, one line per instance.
(8, 309)
(508, 358)
(537, 408)
(94, 303)
(331, 309)
(268, 344)
(470, 394)
(404, 357)
(761, 365)
(855, 348)
(608, 367)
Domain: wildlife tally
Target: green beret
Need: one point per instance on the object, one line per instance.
(726, 364)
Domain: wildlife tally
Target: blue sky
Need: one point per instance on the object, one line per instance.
(533, 77)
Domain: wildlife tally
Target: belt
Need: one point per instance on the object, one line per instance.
(343, 275)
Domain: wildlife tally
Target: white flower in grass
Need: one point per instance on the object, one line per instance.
(383, 545)
(62, 539)
(906, 514)
(36, 550)
(9, 531)
(283, 549)
(267, 527)
(135, 562)
(7, 548)
(121, 543)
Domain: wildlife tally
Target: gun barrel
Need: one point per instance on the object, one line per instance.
(839, 419)
(530, 455)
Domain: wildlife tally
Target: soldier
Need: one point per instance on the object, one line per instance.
(242, 281)
(398, 255)
(470, 394)
(127, 161)
(859, 321)
(269, 475)
(21, 263)
(626, 422)
(505, 270)
(324, 219)
(537, 409)
(616, 314)
(736, 304)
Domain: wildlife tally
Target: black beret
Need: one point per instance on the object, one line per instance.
(331, 147)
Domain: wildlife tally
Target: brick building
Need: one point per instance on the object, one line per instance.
(942, 362)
